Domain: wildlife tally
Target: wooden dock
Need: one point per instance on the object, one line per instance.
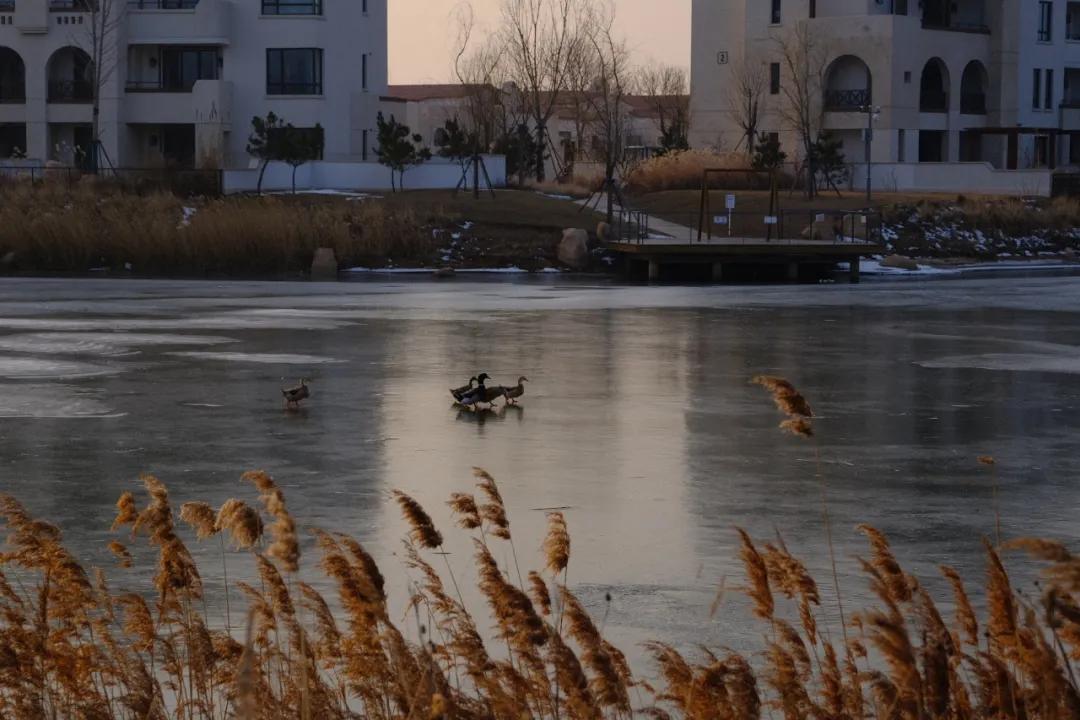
(658, 251)
(644, 240)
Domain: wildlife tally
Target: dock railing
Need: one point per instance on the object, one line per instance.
(786, 227)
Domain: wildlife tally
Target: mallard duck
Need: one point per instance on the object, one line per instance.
(295, 394)
(481, 393)
(464, 390)
(513, 393)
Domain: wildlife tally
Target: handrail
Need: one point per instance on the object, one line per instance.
(162, 4)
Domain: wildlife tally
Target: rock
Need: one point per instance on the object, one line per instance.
(324, 264)
(603, 232)
(574, 249)
(901, 262)
(444, 272)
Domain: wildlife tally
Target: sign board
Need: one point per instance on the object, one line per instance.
(719, 220)
(729, 202)
(863, 219)
(820, 217)
(770, 220)
(722, 57)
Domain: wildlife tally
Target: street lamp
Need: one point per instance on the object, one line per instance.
(872, 113)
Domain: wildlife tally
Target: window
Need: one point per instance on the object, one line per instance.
(292, 7)
(907, 77)
(363, 70)
(1036, 90)
(774, 78)
(901, 146)
(294, 71)
(1048, 86)
(363, 6)
(813, 8)
(314, 135)
(364, 145)
(775, 12)
(1046, 21)
(182, 66)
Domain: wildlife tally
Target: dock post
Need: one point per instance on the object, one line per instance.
(793, 271)
(654, 269)
(853, 271)
(717, 271)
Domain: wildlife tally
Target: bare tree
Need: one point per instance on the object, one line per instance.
(539, 37)
(749, 79)
(478, 71)
(608, 96)
(581, 79)
(99, 40)
(668, 91)
(803, 54)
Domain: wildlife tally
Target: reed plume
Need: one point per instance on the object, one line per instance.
(422, 529)
(557, 544)
(201, 517)
(758, 576)
(241, 521)
(494, 510)
(285, 547)
(464, 506)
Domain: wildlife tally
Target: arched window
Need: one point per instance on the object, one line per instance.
(934, 87)
(973, 88)
(70, 74)
(848, 84)
(12, 77)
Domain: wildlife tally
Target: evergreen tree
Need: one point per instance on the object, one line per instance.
(398, 148)
(264, 142)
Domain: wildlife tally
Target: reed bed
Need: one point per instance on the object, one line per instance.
(73, 647)
(74, 228)
(684, 170)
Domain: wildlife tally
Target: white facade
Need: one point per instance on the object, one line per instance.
(188, 76)
(954, 79)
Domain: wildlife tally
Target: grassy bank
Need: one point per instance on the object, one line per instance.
(77, 643)
(56, 228)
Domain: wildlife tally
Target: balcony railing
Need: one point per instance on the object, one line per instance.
(973, 104)
(977, 28)
(70, 91)
(152, 86)
(933, 102)
(162, 4)
(12, 93)
(72, 5)
(846, 100)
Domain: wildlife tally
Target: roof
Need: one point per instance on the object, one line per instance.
(419, 93)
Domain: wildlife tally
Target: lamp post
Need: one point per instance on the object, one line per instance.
(872, 113)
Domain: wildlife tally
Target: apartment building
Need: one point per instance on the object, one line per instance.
(955, 80)
(185, 77)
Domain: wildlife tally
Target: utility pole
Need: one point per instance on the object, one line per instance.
(872, 114)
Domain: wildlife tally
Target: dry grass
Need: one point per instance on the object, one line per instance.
(52, 227)
(72, 647)
(685, 170)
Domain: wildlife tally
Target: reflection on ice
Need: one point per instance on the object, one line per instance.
(51, 401)
(25, 367)
(90, 343)
(1016, 362)
(267, 358)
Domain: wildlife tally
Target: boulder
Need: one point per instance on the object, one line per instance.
(901, 262)
(574, 249)
(603, 232)
(324, 264)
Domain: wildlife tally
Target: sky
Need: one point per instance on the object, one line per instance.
(423, 33)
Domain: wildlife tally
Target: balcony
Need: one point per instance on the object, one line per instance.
(72, 5)
(933, 102)
(178, 22)
(13, 93)
(847, 100)
(970, 104)
(205, 102)
(71, 91)
(952, 26)
(1070, 115)
(7, 5)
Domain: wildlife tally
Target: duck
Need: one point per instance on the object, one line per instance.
(464, 390)
(295, 394)
(481, 393)
(511, 394)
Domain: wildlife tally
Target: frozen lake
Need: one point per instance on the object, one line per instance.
(639, 418)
